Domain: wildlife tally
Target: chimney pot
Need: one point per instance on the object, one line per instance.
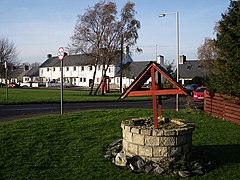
(49, 56)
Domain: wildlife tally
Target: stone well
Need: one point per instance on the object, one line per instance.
(157, 144)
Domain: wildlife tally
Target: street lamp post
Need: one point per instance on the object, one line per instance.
(177, 48)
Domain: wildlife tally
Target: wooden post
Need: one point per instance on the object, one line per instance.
(159, 96)
(154, 99)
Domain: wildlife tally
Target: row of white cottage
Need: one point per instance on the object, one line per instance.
(78, 71)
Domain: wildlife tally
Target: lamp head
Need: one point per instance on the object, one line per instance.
(162, 15)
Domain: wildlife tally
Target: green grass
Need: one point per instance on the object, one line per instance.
(71, 146)
(25, 96)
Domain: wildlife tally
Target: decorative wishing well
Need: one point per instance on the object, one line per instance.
(171, 139)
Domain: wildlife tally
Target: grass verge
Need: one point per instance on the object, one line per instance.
(27, 96)
(71, 146)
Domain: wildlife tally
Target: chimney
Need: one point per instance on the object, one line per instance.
(26, 68)
(127, 50)
(160, 60)
(182, 59)
(49, 56)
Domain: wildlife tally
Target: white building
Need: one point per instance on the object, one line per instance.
(77, 70)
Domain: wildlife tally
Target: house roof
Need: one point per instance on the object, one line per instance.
(134, 69)
(70, 60)
(16, 72)
(33, 72)
(190, 69)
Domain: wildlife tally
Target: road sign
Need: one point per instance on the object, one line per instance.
(61, 53)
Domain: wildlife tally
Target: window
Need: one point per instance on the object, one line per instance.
(99, 67)
(82, 68)
(200, 66)
(81, 80)
(74, 68)
(90, 68)
(84, 79)
(189, 67)
(109, 70)
(67, 68)
(47, 69)
(54, 69)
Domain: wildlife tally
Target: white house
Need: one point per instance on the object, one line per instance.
(77, 70)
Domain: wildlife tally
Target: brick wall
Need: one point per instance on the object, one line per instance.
(222, 106)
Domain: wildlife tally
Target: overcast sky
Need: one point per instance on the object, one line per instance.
(40, 27)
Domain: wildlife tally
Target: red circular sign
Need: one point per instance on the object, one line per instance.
(61, 53)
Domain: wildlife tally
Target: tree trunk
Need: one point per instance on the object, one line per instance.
(104, 74)
(94, 75)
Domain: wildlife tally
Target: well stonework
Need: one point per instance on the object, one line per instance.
(157, 144)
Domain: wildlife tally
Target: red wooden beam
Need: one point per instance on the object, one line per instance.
(156, 92)
(153, 88)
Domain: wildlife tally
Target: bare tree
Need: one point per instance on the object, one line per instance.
(8, 55)
(128, 31)
(95, 31)
(207, 53)
(99, 34)
(35, 64)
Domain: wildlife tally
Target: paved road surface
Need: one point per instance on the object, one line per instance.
(14, 112)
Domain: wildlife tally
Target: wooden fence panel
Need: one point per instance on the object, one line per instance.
(222, 106)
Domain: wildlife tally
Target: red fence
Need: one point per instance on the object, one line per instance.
(222, 106)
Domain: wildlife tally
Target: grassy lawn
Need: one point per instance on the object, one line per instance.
(24, 96)
(71, 146)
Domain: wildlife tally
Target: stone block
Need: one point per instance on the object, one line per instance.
(135, 130)
(185, 148)
(154, 159)
(160, 151)
(138, 139)
(147, 132)
(180, 140)
(145, 151)
(151, 141)
(125, 145)
(133, 148)
(128, 136)
(169, 132)
(128, 128)
(167, 141)
(189, 137)
(181, 132)
(157, 132)
(174, 151)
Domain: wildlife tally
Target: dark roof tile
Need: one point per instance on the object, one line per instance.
(190, 69)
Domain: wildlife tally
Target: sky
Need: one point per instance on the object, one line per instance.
(40, 27)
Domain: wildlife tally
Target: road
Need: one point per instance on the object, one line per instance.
(14, 112)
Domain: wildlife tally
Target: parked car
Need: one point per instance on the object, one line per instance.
(199, 93)
(13, 85)
(190, 88)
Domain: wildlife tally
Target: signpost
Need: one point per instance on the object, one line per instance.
(6, 78)
(61, 57)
